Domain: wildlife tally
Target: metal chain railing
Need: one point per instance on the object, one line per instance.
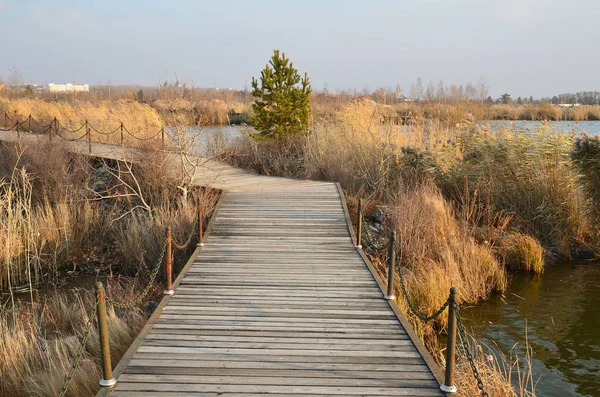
(102, 132)
(70, 139)
(411, 306)
(61, 126)
(467, 351)
(193, 232)
(80, 351)
(137, 301)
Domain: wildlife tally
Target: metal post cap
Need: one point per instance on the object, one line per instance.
(108, 383)
(168, 292)
(200, 245)
(448, 389)
(390, 297)
(358, 246)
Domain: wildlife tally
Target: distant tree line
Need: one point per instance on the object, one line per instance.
(582, 98)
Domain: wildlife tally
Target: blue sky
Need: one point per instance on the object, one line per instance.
(524, 47)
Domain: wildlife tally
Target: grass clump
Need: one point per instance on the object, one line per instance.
(438, 252)
(521, 252)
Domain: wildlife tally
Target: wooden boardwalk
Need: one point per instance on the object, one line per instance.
(278, 303)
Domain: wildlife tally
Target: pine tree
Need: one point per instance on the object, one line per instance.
(282, 107)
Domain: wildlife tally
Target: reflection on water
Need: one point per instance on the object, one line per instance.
(560, 311)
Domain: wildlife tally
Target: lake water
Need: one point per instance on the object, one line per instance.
(559, 310)
(212, 136)
(579, 127)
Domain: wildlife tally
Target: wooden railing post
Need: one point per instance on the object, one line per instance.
(89, 136)
(200, 224)
(162, 133)
(448, 385)
(29, 123)
(18, 130)
(169, 264)
(50, 132)
(6, 120)
(391, 265)
(107, 376)
(359, 226)
(121, 134)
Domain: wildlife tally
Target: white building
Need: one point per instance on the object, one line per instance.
(68, 87)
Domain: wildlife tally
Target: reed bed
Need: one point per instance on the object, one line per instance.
(196, 111)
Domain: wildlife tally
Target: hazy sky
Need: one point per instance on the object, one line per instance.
(523, 47)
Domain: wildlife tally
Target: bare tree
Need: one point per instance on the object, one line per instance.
(416, 90)
(482, 89)
(15, 78)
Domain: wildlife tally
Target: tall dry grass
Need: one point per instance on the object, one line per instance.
(586, 156)
(198, 111)
(440, 252)
(38, 344)
(507, 375)
(66, 212)
(530, 177)
(46, 221)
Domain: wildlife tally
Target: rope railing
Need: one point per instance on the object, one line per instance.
(57, 126)
(101, 298)
(454, 318)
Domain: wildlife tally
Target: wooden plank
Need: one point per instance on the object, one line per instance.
(152, 367)
(288, 381)
(268, 389)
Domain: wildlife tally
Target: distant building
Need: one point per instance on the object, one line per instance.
(68, 87)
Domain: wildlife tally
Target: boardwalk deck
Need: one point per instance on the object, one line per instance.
(278, 303)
